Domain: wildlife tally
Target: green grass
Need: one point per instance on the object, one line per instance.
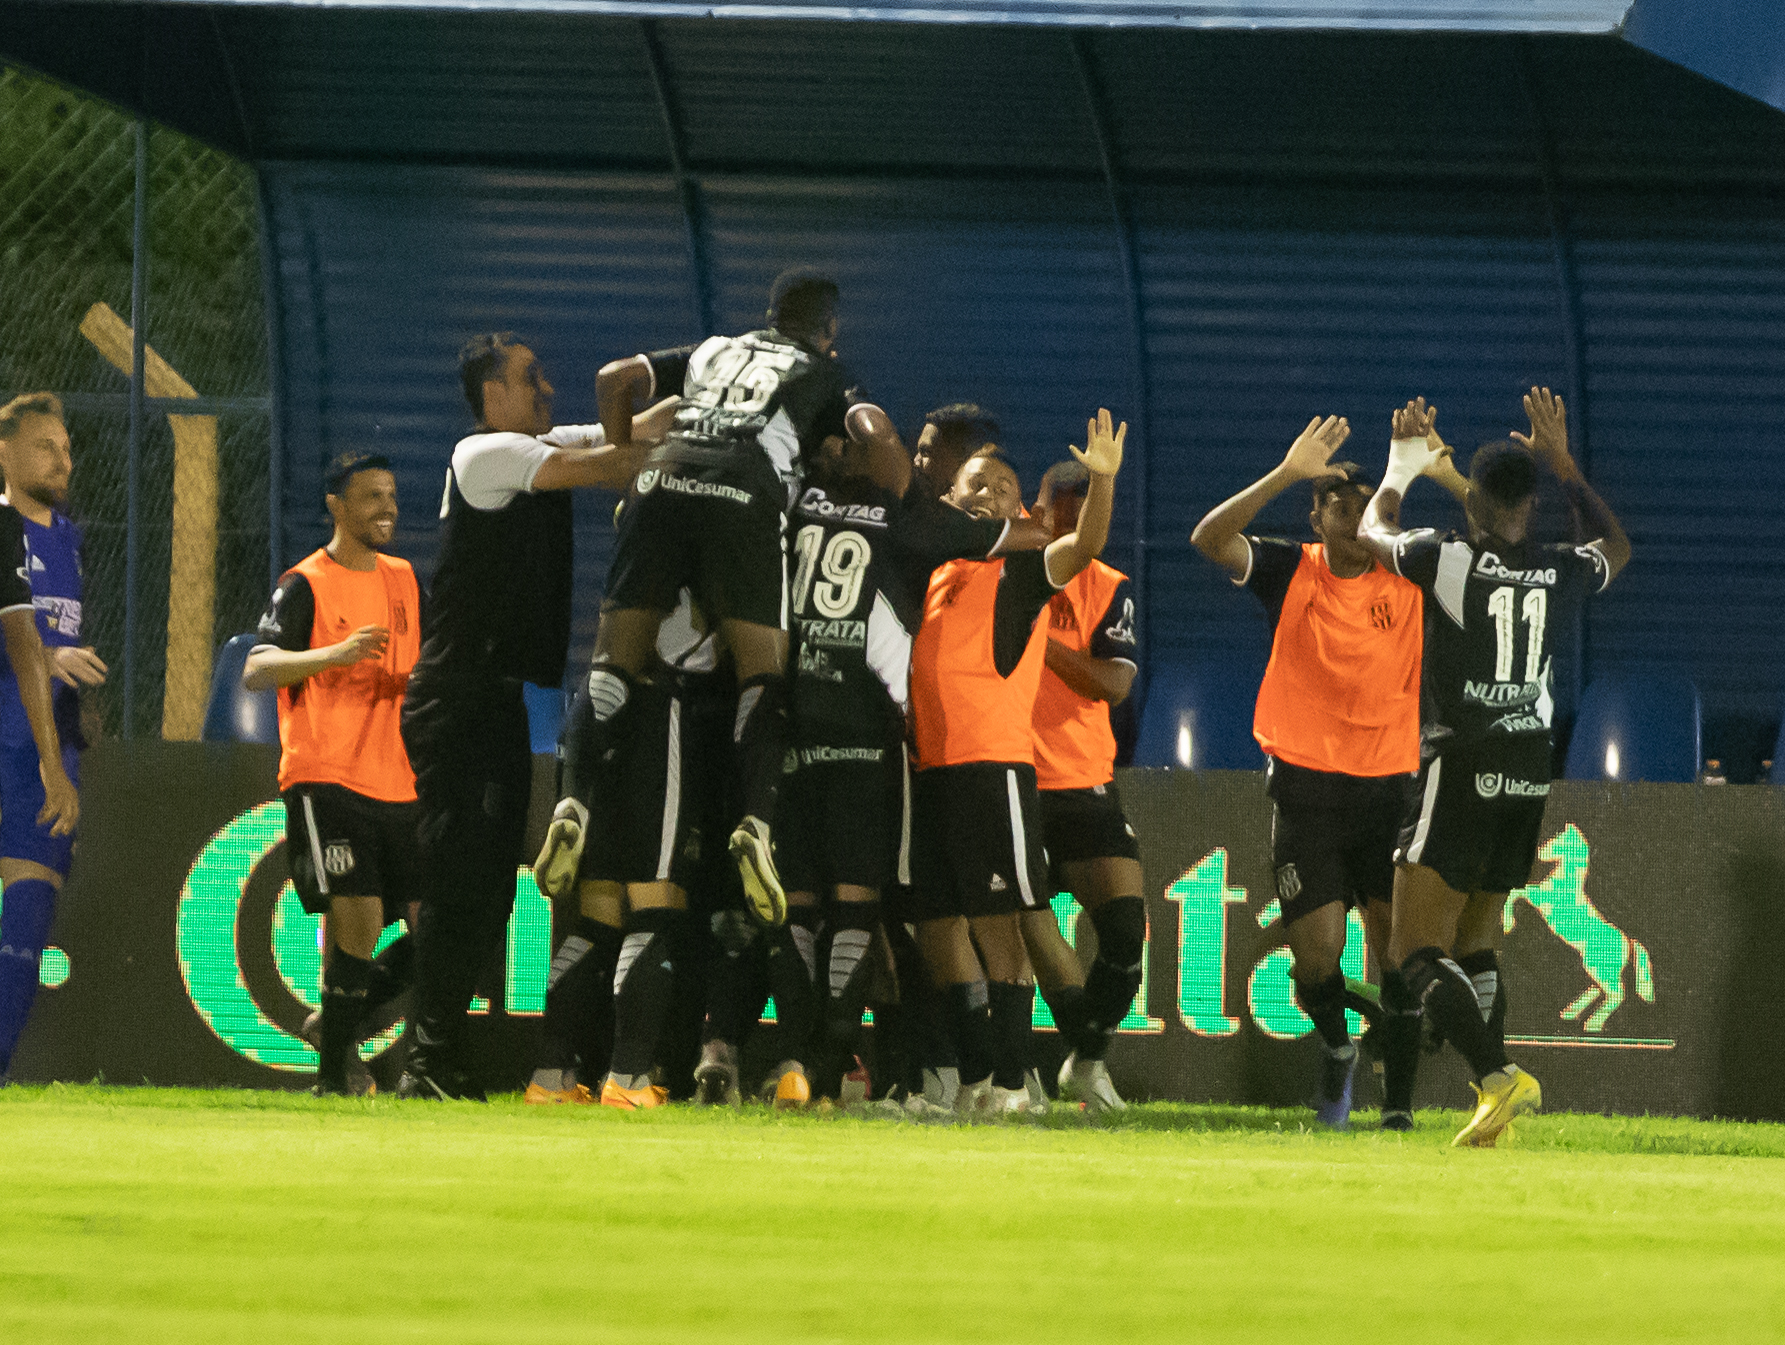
(146, 1215)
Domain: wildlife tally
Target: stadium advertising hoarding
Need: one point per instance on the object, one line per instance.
(1637, 960)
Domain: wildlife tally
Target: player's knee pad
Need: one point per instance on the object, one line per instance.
(1121, 927)
(610, 692)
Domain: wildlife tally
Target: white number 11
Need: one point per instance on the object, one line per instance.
(1536, 610)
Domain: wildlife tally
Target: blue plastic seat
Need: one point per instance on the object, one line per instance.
(1638, 724)
(1199, 716)
(545, 717)
(233, 714)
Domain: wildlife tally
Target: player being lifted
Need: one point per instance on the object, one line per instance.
(1338, 721)
(40, 728)
(864, 546)
(977, 858)
(1494, 605)
(338, 639)
(1091, 849)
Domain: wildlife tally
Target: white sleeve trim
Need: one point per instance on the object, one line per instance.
(1003, 536)
(1130, 662)
(19, 607)
(1599, 558)
(1246, 578)
(651, 373)
(494, 468)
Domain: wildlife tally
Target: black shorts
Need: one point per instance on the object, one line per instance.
(342, 844)
(675, 769)
(1333, 836)
(717, 531)
(976, 841)
(1477, 816)
(1081, 824)
(473, 760)
(840, 818)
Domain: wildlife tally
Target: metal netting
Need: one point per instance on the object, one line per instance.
(67, 245)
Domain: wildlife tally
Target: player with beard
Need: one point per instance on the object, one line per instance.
(863, 552)
(40, 734)
(977, 861)
(1091, 849)
(338, 639)
(1495, 603)
(1338, 721)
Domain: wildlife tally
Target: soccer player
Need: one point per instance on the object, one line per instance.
(1495, 603)
(708, 514)
(643, 856)
(498, 615)
(1338, 721)
(1091, 849)
(976, 667)
(40, 731)
(863, 553)
(338, 640)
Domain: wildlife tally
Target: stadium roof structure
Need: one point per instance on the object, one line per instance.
(1476, 16)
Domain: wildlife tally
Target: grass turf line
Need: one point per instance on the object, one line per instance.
(149, 1215)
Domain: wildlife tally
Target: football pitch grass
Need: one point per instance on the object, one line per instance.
(149, 1215)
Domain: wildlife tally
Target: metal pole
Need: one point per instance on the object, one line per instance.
(275, 329)
(1139, 382)
(139, 303)
(686, 187)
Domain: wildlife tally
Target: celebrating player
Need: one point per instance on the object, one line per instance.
(1091, 849)
(498, 615)
(976, 858)
(40, 729)
(338, 639)
(1338, 720)
(708, 515)
(1493, 603)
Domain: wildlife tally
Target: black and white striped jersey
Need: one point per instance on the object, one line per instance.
(1494, 613)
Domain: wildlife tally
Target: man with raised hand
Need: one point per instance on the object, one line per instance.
(338, 640)
(977, 860)
(1338, 721)
(1092, 851)
(40, 731)
(1494, 604)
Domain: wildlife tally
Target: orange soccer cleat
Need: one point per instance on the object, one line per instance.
(633, 1099)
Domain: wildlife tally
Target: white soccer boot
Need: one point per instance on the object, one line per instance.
(562, 854)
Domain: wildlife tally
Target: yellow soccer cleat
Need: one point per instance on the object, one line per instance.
(793, 1091)
(754, 854)
(577, 1095)
(633, 1099)
(1501, 1096)
(562, 854)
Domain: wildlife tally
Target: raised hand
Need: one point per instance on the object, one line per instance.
(1548, 440)
(1102, 453)
(1414, 421)
(1314, 447)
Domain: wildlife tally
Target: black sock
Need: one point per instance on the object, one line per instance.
(737, 986)
(760, 734)
(1071, 1012)
(1444, 991)
(1483, 971)
(452, 944)
(1401, 1021)
(849, 976)
(1115, 974)
(968, 1009)
(1324, 1002)
(579, 992)
(644, 982)
(793, 969)
(393, 972)
(344, 982)
(600, 716)
(1013, 1018)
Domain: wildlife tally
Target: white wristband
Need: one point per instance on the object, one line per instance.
(1407, 458)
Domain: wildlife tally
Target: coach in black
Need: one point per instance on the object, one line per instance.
(497, 615)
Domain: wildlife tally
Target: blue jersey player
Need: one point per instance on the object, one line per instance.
(40, 573)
